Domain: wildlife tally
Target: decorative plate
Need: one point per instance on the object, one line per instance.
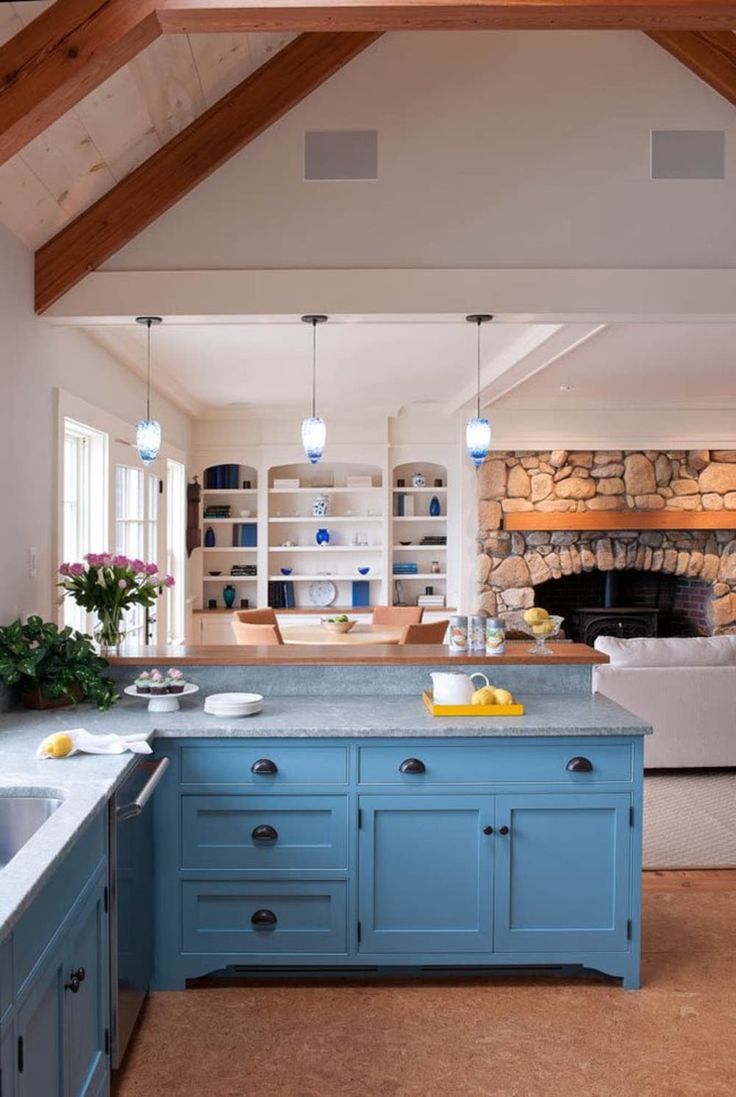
(322, 593)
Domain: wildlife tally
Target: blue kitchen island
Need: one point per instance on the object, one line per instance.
(342, 829)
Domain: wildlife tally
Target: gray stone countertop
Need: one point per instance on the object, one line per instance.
(85, 782)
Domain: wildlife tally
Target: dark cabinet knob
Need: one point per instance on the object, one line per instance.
(503, 830)
(488, 830)
(264, 767)
(579, 765)
(80, 973)
(73, 985)
(264, 919)
(412, 765)
(264, 833)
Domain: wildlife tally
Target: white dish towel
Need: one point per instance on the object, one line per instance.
(85, 743)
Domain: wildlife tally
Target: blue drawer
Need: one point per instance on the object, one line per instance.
(495, 763)
(299, 918)
(231, 765)
(255, 833)
(6, 976)
(47, 911)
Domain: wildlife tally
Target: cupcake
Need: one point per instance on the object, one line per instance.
(175, 681)
(143, 682)
(158, 682)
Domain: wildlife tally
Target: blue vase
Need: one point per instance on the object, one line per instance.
(209, 537)
(434, 507)
(322, 537)
(228, 595)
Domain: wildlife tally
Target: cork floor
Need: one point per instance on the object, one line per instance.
(506, 1037)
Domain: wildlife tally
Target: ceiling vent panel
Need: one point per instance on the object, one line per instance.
(688, 154)
(340, 155)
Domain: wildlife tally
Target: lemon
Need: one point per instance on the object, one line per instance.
(535, 615)
(484, 696)
(544, 628)
(503, 697)
(58, 746)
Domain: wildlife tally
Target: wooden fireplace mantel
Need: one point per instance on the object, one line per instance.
(617, 519)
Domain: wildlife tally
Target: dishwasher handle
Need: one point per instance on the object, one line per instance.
(135, 807)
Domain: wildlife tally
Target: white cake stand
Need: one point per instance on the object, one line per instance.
(162, 702)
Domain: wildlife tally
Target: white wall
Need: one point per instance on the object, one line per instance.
(496, 149)
(37, 360)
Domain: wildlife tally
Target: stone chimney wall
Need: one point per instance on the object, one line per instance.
(511, 564)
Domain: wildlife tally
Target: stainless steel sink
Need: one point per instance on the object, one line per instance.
(20, 818)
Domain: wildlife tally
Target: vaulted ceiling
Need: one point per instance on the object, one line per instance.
(126, 119)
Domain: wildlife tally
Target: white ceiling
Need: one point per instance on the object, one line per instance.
(639, 365)
(385, 366)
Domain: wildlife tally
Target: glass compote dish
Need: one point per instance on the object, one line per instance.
(542, 631)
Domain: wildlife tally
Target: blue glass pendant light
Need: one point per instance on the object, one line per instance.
(148, 430)
(314, 429)
(478, 429)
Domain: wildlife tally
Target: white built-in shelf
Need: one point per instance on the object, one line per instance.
(322, 491)
(230, 548)
(326, 550)
(229, 491)
(229, 521)
(322, 577)
(420, 548)
(420, 517)
(353, 519)
(229, 578)
(421, 575)
(427, 491)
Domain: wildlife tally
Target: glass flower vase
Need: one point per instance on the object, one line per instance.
(109, 633)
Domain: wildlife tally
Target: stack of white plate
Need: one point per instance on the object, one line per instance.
(232, 705)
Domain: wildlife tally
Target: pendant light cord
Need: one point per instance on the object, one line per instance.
(314, 368)
(477, 372)
(148, 383)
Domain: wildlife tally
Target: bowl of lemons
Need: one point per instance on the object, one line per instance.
(542, 626)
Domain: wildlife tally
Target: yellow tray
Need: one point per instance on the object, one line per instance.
(470, 710)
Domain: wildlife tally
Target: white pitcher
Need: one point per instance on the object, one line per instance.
(453, 687)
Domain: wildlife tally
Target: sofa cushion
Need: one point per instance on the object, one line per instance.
(669, 651)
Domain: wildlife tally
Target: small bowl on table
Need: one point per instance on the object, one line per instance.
(541, 632)
(340, 627)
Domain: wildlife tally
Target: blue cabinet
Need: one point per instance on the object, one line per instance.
(55, 1034)
(562, 873)
(480, 852)
(425, 874)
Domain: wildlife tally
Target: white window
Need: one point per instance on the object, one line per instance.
(84, 504)
(176, 518)
(130, 534)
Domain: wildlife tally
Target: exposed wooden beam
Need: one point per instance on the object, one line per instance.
(184, 16)
(190, 157)
(710, 55)
(61, 56)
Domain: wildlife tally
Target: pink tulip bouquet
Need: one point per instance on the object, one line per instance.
(108, 586)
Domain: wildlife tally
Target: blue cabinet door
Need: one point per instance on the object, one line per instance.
(562, 873)
(7, 1081)
(87, 1062)
(39, 1026)
(425, 874)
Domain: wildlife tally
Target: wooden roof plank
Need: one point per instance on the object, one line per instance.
(711, 56)
(138, 199)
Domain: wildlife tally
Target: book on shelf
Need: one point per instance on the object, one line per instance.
(281, 594)
(404, 506)
(431, 600)
(222, 477)
(245, 535)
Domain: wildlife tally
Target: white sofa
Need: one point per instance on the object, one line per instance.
(685, 688)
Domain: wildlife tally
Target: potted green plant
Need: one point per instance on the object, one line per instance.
(51, 667)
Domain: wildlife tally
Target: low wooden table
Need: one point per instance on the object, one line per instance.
(359, 634)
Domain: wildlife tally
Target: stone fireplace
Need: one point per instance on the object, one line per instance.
(687, 576)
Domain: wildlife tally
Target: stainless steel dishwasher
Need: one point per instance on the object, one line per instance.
(130, 825)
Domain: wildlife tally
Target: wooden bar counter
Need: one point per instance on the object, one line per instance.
(517, 654)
